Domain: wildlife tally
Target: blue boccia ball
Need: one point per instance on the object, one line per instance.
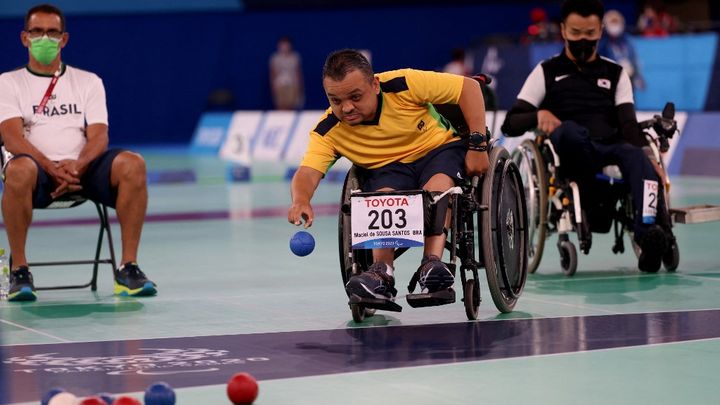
(107, 397)
(159, 393)
(302, 243)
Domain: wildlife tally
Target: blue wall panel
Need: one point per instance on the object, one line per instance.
(159, 69)
(676, 69)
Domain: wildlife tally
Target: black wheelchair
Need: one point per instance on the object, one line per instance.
(553, 202)
(488, 229)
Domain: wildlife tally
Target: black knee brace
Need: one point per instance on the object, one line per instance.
(435, 212)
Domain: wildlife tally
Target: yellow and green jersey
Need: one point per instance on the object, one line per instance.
(405, 128)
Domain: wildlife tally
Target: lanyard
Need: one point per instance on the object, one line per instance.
(48, 92)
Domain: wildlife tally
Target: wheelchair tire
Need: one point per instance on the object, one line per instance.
(671, 258)
(471, 299)
(568, 257)
(532, 170)
(362, 258)
(503, 230)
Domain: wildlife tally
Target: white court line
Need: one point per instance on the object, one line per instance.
(705, 278)
(622, 276)
(526, 298)
(35, 331)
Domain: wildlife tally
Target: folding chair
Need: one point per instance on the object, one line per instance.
(71, 200)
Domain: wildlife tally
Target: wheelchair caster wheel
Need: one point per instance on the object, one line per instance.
(568, 257)
(671, 258)
(471, 299)
(359, 312)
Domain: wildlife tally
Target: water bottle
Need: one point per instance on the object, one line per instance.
(4, 276)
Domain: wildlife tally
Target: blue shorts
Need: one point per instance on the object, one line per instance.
(448, 159)
(95, 181)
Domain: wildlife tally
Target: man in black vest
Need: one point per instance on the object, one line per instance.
(585, 102)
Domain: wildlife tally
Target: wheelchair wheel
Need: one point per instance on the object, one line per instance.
(503, 230)
(534, 177)
(471, 299)
(360, 258)
(671, 258)
(568, 257)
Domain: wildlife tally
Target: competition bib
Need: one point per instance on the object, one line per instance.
(387, 220)
(650, 201)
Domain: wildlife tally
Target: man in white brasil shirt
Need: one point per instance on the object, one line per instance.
(53, 120)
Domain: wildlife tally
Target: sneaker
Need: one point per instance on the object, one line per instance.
(131, 281)
(373, 283)
(653, 244)
(434, 275)
(21, 285)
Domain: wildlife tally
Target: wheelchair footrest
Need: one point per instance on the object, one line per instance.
(376, 303)
(441, 297)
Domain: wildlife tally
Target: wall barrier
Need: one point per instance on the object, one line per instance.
(273, 142)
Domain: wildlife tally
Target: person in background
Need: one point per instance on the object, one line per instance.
(286, 79)
(585, 104)
(655, 21)
(616, 45)
(457, 65)
(53, 120)
(541, 28)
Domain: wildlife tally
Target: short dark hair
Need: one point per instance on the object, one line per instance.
(47, 9)
(340, 63)
(585, 8)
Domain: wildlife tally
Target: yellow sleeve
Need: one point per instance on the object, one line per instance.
(320, 154)
(433, 87)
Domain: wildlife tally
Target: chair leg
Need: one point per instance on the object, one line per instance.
(104, 228)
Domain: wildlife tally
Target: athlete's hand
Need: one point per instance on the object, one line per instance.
(476, 163)
(299, 212)
(547, 121)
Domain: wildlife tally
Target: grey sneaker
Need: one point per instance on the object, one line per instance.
(434, 275)
(373, 283)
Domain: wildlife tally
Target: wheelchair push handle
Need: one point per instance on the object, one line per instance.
(482, 78)
(664, 125)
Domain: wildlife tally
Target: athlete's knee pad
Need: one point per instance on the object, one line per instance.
(435, 212)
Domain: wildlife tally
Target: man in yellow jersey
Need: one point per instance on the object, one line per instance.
(385, 124)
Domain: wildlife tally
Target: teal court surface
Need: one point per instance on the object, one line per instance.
(232, 297)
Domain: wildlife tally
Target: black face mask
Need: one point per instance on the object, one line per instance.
(582, 49)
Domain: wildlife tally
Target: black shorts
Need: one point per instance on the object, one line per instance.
(95, 181)
(448, 159)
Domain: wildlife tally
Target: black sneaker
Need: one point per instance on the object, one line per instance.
(653, 244)
(131, 281)
(434, 275)
(373, 283)
(21, 285)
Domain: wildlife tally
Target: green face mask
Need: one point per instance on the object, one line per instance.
(44, 49)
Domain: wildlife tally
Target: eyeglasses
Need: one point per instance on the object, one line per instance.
(39, 32)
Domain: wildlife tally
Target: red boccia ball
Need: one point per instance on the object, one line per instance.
(242, 389)
(94, 400)
(125, 400)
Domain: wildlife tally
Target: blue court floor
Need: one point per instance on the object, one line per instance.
(232, 297)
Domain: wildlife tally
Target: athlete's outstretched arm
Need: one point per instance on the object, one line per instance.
(303, 186)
